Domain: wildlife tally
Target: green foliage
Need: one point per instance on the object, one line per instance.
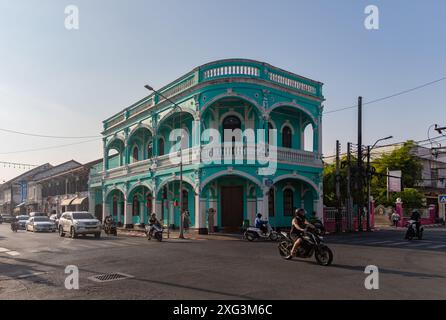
(400, 159)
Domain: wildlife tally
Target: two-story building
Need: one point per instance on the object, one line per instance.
(270, 164)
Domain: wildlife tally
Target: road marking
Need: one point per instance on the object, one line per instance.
(380, 242)
(398, 243)
(13, 253)
(23, 276)
(438, 247)
(4, 250)
(417, 244)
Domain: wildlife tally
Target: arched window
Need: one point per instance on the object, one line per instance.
(185, 200)
(271, 207)
(149, 203)
(160, 147)
(308, 138)
(135, 206)
(288, 202)
(232, 123)
(287, 141)
(149, 150)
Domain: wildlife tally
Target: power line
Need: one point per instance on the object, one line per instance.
(46, 136)
(49, 148)
(389, 96)
(16, 164)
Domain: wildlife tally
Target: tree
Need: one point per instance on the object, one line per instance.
(400, 159)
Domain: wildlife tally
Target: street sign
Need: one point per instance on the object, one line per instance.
(442, 198)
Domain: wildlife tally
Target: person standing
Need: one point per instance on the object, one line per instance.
(186, 218)
(395, 219)
(211, 214)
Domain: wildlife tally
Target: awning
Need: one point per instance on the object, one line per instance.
(20, 205)
(79, 201)
(67, 202)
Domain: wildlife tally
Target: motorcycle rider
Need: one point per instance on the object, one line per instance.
(417, 218)
(260, 224)
(153, 221)
(298, 225)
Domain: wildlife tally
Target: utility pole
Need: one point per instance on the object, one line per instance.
(349, 196)
(360, 166)
(338, 189)
(369, 180)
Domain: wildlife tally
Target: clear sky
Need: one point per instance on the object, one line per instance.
(59, 82)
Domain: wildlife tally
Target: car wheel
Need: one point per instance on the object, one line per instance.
(73, 234)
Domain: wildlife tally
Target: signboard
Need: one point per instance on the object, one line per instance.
(442, 198)
(394, 181)
(23, 191)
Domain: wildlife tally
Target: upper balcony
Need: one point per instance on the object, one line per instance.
(230, 70)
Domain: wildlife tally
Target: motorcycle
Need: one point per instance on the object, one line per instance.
(412, 230)
(155, 230)
(14, 226)
(312, 244)
(253, 233)
(110, 227)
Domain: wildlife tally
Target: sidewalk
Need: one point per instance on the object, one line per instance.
(175, 234)
(389, 227)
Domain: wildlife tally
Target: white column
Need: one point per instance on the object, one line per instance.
(141, 212)
(170, 212)
(318, 207)
(128, 214)
(158, 209)
(260, 205)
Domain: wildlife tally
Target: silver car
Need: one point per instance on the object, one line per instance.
(22, 221)
(40, 224)
(76, 223)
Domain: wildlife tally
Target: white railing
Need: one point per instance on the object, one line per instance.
(292, 83)
(231, 71)
(296, 156)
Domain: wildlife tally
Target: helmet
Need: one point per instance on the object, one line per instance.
(259, 215)
(414, 211)
(300, 212)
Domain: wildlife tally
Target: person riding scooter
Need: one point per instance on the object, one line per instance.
(417, 218)
(261, 224)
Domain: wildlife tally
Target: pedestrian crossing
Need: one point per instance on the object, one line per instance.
(394, 243)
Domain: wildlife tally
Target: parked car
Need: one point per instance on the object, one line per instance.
(7, 218)
(38, 214)
(40, 224)
(76, 223)
(22, 221)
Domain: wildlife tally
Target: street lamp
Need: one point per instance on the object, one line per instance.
(181, 236)
(369, 180)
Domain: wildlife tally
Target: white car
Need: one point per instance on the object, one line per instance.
(76, 223)
(40, 224)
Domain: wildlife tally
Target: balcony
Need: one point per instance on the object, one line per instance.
(193, 156)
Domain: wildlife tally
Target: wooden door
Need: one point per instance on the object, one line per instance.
(232, 208)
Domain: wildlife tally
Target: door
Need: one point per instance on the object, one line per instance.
(232, 208)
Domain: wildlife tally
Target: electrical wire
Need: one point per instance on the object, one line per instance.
(46, 136)
(389, 96)
(49, 148)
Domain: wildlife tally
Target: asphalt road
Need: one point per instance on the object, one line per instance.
(32, 267)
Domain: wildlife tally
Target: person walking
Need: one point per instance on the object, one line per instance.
(186, 219)
(395, 219)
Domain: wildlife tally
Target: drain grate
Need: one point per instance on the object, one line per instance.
(108, 277)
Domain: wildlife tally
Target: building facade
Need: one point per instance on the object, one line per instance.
(270, 164)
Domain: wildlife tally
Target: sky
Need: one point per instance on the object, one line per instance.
(55, 81)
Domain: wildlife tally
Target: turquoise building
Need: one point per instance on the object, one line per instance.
(271, 164)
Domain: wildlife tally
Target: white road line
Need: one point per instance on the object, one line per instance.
(4, 250)
(418, 244)
(13, 253)
(398, 243)
(380, 242)
(438, 247)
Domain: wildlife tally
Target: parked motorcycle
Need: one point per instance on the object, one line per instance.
(312, 244)
(110, 226)
(253, 233)
(412, 230)
(154, 230)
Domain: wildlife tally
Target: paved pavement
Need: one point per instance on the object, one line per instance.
(32, 266)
